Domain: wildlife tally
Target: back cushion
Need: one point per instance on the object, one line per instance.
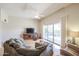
(20, 43)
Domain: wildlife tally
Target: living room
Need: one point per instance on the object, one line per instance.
(37, 23)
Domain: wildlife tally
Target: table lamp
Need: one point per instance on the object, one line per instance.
(74, 35)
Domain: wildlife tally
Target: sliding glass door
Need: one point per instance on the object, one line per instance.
(48, 32)
(57, 33)
(52, 33)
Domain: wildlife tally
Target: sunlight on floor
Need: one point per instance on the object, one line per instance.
(56, 50)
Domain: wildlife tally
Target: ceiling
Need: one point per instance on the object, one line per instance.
(31, 10)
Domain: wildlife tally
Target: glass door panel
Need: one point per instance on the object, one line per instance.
(57, 33)
(50, 33)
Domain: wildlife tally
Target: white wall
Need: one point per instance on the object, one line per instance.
(0, 29)
(16, 26)
(73, 19)
(0, 32)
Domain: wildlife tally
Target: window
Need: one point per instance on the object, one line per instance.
(52, 33)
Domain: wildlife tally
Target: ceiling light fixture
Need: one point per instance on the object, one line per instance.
(37, 17)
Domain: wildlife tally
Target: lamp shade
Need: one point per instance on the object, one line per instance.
(74, 34)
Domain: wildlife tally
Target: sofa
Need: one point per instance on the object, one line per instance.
(17, 47)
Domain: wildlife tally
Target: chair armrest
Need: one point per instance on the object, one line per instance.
(74, 47)
(65, 53)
